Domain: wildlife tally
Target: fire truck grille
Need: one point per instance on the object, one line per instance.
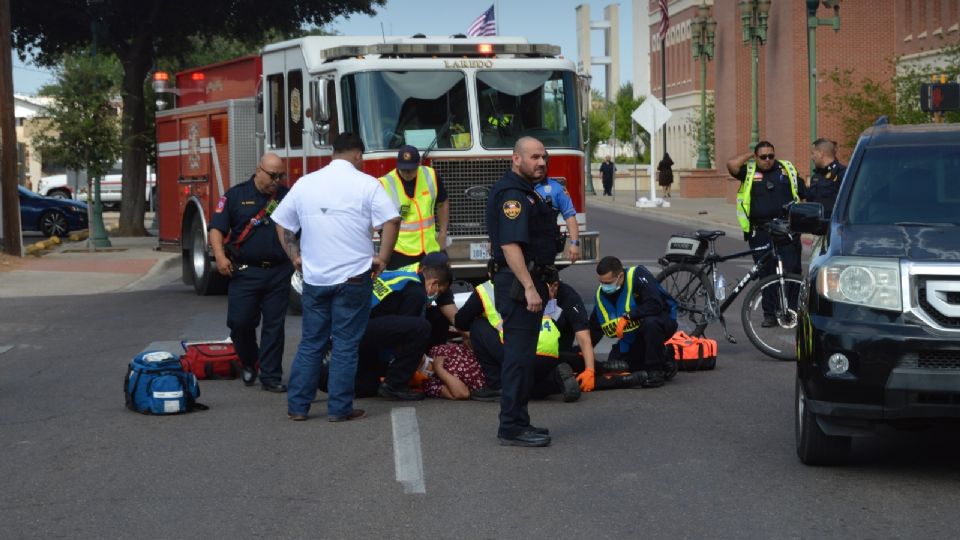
(468, 183)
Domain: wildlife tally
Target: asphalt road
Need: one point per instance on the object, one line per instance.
(709, 456)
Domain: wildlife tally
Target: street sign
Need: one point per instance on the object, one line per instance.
(651, 114)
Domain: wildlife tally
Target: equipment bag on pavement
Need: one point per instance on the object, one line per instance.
(217, 360)
(157, 384)
(693, 353)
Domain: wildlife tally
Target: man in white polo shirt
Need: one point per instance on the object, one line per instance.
(334, 209)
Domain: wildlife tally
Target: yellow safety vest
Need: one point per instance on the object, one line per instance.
(610, 313)
(388, 282)
(548, 341)
(743, 195)
(418, 228)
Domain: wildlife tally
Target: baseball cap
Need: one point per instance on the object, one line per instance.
(408, 157)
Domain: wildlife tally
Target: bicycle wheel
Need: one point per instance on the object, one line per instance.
(689, 286)
(774, 338)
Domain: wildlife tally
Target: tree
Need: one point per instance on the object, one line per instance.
(858, 102)
(84, 129)
(599, 119)
(137, 33)
(625, 105)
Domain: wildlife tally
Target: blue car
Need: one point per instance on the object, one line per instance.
(50, 216)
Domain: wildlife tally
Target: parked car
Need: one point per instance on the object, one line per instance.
(111, 187)
(878, 341)
(49, 215)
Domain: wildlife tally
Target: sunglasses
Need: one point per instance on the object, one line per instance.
(766, 156)
(275, 176)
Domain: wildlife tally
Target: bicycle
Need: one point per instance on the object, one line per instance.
(691, 271)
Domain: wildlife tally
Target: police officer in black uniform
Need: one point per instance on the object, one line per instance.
(826, 177)
(247, 250)
(522, 228)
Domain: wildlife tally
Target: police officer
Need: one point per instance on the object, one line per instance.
(421, 200)
(556, 194)
(826, 177)
(767, 184)
(247, 249)
(521, 227)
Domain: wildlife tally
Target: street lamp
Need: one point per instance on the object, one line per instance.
(703, 29)
(753, 15)
(812, 23)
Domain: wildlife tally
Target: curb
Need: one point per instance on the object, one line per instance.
(166, 262)
(37, 248)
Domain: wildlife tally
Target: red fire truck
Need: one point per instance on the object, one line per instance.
(463, 101)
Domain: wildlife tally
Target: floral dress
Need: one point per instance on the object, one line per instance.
(460, 362)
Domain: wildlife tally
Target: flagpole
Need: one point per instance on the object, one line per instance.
(663, 86)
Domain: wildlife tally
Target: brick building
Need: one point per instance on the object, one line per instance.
(873, 35)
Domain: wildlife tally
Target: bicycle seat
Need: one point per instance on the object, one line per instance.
(709, 235)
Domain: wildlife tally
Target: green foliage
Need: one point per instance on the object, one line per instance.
(84, 128)
(625, 106)
(692, 129)
(599, 122)
(858, 102)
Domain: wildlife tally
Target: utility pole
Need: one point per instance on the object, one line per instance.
(12, 242)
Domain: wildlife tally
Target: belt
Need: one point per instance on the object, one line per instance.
(359, 278)
(264, 264)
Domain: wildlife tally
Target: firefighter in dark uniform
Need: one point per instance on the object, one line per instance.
(523, 241)
(767, 185)
(826, 177)
(247, 250)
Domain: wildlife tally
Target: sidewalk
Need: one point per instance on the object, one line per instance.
(706, 213)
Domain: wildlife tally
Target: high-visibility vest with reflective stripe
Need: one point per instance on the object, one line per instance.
(418, 228)
(610, 313)
(743, 195)
(388, 282)
(548, 340)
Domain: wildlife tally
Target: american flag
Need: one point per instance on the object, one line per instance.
(485, 25)
(664, 19)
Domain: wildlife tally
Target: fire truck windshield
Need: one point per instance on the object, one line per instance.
(393, 108)
(541, 104)
(429, 108)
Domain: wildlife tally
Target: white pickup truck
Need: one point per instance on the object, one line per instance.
(74, 186)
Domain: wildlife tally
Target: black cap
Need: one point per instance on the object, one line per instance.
(408, 157)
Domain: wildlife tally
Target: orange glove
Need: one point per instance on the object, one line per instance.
(586, 380)
(621, 324)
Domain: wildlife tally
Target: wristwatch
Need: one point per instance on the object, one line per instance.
(574, 242)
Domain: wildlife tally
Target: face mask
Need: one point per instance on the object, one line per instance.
(609, 288)
(550, 308)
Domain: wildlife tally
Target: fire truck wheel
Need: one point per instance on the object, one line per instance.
(295, 306)
(206, 280)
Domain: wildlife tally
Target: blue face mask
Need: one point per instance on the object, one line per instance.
(609, 288)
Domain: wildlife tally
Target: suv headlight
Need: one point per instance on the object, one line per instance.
(861, 281)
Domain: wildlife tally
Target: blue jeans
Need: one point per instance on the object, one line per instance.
(336, 314)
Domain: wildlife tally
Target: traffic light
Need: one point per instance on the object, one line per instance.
(937, 97)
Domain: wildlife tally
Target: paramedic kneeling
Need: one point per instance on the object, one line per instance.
(632, 306)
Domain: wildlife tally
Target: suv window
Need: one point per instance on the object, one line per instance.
(908, 184)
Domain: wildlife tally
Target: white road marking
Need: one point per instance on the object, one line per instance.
(5, 348)
(407, 457)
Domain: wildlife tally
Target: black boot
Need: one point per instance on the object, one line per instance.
(630, 380)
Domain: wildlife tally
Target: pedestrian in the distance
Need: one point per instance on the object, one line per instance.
(607, 168)
(334, 210)
(247, 251)
(665, 174)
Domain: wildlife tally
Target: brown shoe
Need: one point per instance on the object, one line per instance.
(355, 414)
(296, 417)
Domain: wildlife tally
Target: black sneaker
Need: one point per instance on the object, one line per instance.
(249, 376)
(571, 388)
(654, 379)
(769, 321)
(670, 369)
(393, 394)
(485, 394)
(528, 438)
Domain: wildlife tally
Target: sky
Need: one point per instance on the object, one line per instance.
(551, 22)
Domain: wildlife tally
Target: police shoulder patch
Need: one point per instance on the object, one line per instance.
(220, 204)
(512, 208)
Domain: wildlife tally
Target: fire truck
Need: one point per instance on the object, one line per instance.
(463, 101)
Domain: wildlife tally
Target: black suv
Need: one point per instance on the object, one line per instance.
(879, 334)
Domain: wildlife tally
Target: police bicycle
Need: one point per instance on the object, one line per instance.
(692, 276)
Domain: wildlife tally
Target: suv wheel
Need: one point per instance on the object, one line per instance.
(814, 447)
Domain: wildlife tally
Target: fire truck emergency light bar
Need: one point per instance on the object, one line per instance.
(443, 49)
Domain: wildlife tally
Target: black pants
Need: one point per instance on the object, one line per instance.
(256, 291)
(647, 352)
(406, 336)
(521, 329)
(607, 186)
(546, 379)
(489, 351)
(790, 253)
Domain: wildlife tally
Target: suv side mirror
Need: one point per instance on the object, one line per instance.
(808, 218)
(318, 102)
